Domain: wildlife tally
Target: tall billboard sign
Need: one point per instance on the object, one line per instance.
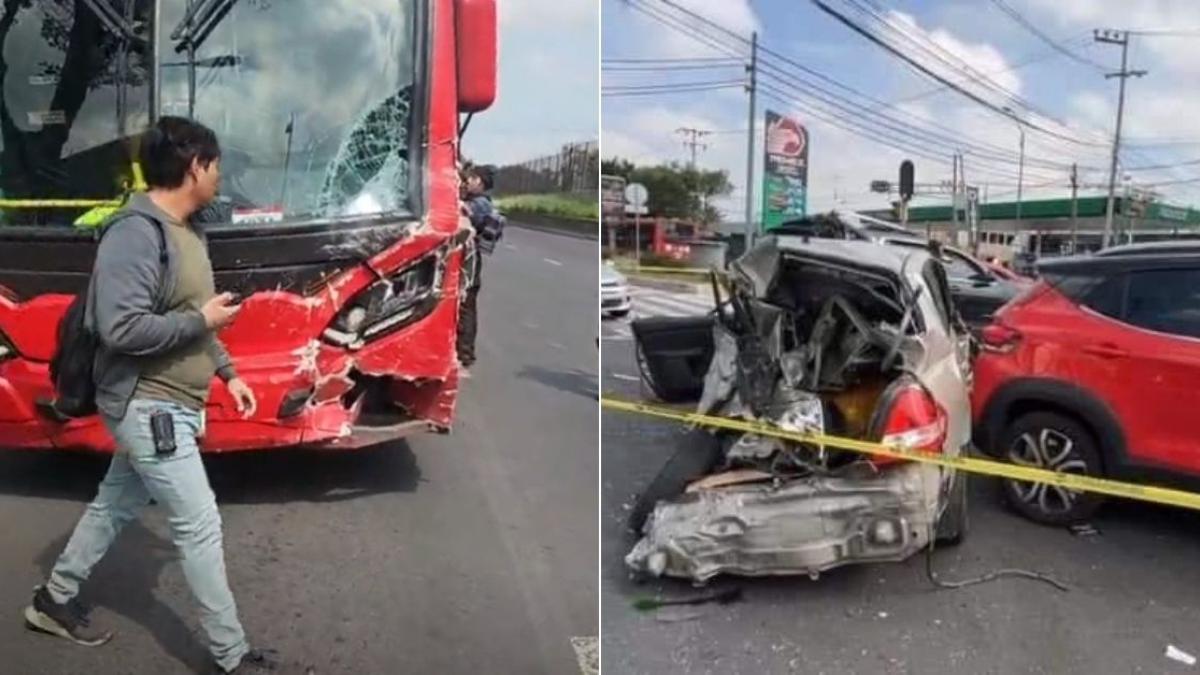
(785, 171)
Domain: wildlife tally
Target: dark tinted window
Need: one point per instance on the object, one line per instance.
(936, 280)
(1106, 295)
(1167, 301)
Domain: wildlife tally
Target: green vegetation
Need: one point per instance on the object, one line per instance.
(577, 206)
(675, 191)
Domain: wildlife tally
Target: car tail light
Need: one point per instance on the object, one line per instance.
(912, 420)
(390, 304)
(998, 337)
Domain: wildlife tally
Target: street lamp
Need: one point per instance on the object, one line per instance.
(1021, 171)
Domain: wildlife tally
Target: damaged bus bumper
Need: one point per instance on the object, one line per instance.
(804, 526)
(312, 389)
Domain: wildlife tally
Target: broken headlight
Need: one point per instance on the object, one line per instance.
(390, 303)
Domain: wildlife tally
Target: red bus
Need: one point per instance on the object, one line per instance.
(338, 218)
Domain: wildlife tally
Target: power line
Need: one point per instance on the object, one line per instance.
(1188, 32)
(950, 140)
(608, 93)
(671, 85)
(852, 123)
(669, 67)
(1027, 25)
(690, 59)
(1042, 56)
(928, 72)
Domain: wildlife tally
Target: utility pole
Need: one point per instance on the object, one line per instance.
(1074, 209)
(1116, 37)
(954, 203)
(751, 88)
(1021, 164)
(692, 140)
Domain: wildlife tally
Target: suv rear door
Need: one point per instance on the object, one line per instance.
(1142, 355)
(1162, 317)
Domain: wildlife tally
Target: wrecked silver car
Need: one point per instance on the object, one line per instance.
(845, 338)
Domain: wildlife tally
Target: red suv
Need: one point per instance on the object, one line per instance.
(1095, 370)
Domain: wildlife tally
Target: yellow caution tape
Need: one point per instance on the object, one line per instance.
(987, 467)
(57, 203)
(663, 270)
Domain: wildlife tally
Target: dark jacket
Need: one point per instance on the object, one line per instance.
(127, 291)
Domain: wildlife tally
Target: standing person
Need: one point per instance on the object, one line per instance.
(477, 183)
(156, 319)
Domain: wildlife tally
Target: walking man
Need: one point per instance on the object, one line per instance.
(156, 318)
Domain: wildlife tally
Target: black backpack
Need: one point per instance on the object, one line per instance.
(74, 360)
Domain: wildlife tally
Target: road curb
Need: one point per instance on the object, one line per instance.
(570, 227)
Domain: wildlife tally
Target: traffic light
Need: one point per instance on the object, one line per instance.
(906, 180)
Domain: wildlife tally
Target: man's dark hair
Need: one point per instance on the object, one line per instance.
(169, 147)
(486, 174)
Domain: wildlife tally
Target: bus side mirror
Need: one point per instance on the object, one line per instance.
(475, 44)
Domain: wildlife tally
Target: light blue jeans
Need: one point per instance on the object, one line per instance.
(179, 483)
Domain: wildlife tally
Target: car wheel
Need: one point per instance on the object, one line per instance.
(696, 454)
(1047, 440)
(952, 525)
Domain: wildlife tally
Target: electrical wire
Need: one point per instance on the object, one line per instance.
(949, 141)
(927, 71)
(1029, 26)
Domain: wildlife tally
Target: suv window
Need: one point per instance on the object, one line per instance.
(1107, 296)
(1167, 301)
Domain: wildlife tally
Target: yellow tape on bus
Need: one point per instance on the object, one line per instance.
(57, 203)
(986, 467)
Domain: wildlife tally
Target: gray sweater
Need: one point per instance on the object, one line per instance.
(126, 294)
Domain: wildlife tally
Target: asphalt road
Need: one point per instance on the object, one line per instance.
(468, 553)
(1134, 589)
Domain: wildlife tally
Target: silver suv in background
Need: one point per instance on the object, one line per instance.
(829, 336)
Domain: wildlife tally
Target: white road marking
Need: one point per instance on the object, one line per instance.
(627, 378)
(587, 652)
(553, 262)
(530, 326)
(510, 247)
(558, 346)
(650, 302)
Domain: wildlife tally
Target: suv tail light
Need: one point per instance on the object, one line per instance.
(910, 419)
(998, 337)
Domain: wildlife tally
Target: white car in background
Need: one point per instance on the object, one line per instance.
(615, 299)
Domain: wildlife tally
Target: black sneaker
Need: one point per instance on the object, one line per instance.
(69, 620)
(255, 661)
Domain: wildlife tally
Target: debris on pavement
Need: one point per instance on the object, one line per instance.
(1084, 530)
(1176, 654)
(720, 597)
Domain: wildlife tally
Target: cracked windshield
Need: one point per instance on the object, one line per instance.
(311, 99)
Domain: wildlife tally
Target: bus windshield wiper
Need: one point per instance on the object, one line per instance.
(199, 22)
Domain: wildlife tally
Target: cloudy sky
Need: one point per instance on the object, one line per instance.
(989, 47)
(549, 82)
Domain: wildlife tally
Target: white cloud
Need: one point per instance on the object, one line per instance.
(982, 58)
